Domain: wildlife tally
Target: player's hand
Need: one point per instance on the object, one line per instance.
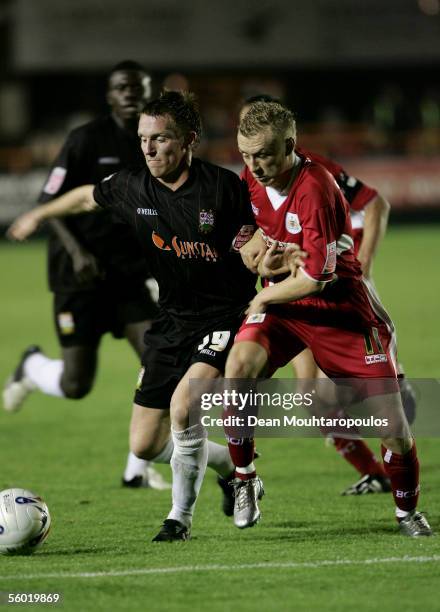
(253, 251)
(286, 261)
(294, 258)
(23, 226)
(85, 266)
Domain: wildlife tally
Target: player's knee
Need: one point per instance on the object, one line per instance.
(237, 368)
(141, 449)
(179, 412)
(240, 364)
(145, 446)
(76, 389)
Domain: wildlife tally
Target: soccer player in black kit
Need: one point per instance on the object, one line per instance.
(187, 214)
(96, 271)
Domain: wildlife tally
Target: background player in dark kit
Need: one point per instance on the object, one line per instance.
(96, 270)
(190, 218)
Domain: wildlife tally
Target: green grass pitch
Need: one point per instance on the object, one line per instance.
(313, 550)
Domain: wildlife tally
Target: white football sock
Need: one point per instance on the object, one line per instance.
(248, 469)
(219, 458)
(401, 514)
(45, 373)
(188, 463)
(134, 467)
(166, 453)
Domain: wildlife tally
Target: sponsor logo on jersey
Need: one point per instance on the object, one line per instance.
(256, 318)
(255, 209)
(244, 235)
(330, 260)
(186, 248)
(206, 221)
(377, 358)
(55, 180)
(293, 226)
(148, 212)
(159, 242)
(270, 241)
(66, 323)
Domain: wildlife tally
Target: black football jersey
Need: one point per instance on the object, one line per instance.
(187, 236)
(90, 153)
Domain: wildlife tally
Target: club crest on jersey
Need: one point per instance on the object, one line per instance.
(206, 221)
(293, 226)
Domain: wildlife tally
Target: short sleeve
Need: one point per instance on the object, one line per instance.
(69, 170)
(247, 225)
(319, 234)
(112, 194)
(357, 194)
(107, 193)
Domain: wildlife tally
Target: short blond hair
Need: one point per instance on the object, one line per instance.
(263, 115)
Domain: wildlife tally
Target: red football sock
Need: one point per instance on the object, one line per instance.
(359, 455)
(403, 471)
(242, 455)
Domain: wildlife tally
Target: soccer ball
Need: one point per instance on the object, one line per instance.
(24, 522)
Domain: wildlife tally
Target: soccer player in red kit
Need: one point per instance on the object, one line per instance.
(325, 306)
(369, 216)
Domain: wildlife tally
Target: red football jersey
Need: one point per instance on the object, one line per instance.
(315, 215)
(357, 194)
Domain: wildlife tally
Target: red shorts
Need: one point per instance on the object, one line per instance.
(339, 352)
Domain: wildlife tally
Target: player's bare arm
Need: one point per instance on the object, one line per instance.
(85, 265)
(375, 225)
(253, 251)
(294, 287)
(73, 202)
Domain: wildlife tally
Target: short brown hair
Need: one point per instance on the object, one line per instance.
(181, 106)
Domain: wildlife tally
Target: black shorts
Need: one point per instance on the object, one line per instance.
(82, 318)
(171, 350)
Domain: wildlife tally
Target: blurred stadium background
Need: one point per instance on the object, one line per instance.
(362, 78)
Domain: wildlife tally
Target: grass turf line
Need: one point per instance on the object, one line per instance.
(73, 454)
